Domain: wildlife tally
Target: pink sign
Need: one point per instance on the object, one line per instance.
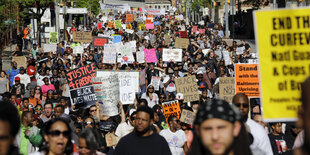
(149, 26)
(99, 25)
(202, 31)
(150, 55)
(194, 29)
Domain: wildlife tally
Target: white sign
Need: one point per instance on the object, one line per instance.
(78, 49)
(155, 12)
(172, 54)
(226, 57)
(124, 54)
(109, 54)
(155, 82)
(140, 57)
(50, 47)
(179, 17)
(240, 50)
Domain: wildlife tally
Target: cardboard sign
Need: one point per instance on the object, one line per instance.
(117, 39)
(150, 55)
(85, 37)
(53, 37)
(155, 81)
(227, 88)
(181, 43)
(282, 38)
(247, 81)
(149, 26)
(110, 24)
(109, 54)
(188, 87)
(81, 77)
(183, 34)
(100, 41)
(99, 26)
(140, 57)
(194, 29)
(124, 54)
(20, 60)
(118, 24)
(202, 31)
(128, 85)
(187, 117)
(167, 39)
(171, 108)
(129, 18)
(83, 97)
(107, 93)
(50, 47)
(172, 54)
(110, 139)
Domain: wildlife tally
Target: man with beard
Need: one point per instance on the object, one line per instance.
(143, 140)
(261, 141)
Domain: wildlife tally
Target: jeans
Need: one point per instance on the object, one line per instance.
(26, 44)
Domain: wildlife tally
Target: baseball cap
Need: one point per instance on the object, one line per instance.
(17, 78)
(179, 96)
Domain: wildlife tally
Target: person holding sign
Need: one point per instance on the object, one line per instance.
(175, 137)
(150, 96)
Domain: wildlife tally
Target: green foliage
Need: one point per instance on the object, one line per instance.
(8, 16)
(91, 5)
(255, 3)
(201, 4)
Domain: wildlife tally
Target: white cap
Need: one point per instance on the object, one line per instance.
(179, 96)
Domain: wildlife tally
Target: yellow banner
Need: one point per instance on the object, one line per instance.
(283, 39)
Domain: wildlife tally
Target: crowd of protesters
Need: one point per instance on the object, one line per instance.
(48, 123)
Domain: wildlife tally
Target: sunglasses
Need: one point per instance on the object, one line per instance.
(88, 123)
(92, 110)
(38, 108)
(151, 88)
(243, 105)
(57, 133)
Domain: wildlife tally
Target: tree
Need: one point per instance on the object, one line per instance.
(197, 4)
(41, 6)
(92, 5)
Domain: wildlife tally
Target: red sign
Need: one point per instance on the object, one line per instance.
(100, 41)
(183, 34)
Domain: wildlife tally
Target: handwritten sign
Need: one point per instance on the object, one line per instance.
(167, 39)
(20, 60)
(50, 47)
(129, 18)
(109, 54)
(81, 77)
(183, 34)
(78, 49)
(150, 55)
(85, 37)
(187, 117)
(53, 37)
(100, 41)
(83, 97)
(188, 87)
(202, 31)
(148, 21)
(124, 54)
(110, 139)
(247, 79)
(227, 88)
(181, 43)
(171, 108)
(107, 92)
(155, 81)
(99, 26)
(117, 39)
(118, 24)
(140, 57)
(149, 26)
(172, 54)
(194, 29)
(110, 24)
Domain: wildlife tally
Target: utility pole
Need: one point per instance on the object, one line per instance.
(57, 19)
(226, 19)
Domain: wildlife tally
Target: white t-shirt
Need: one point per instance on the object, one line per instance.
(175, 140)
(24, 79)
(261, 139)
(171, 87)
(123, 129)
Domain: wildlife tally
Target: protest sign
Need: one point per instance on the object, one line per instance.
(110, 139)
(155, 81)
(50, 47)
(188, 87)
(83, 97)
(81, 77)
(140, 57)
(183, 34)
(85, 37)
(107, 92)
(202, 31)
(124, 54)
(181, 43)
(129, 18)
(78, 49)
(110, 24)
(129, 31)
(240, 50)
(149, 26)
(109, 54)
(100, 41)
(117, 39)
(20, 60)
(227, 88)
(247, 82)
(172, 54)
(118, 24)
(155, 12)
(171, 108)
(150, 55)
(132, 45)
(282, 39)
(226, 57)
(53, 38)
(179, 17)
(128, 26)
(194, 29)
(157, 23)
(187, 117)
(167, 39)
(148, 21)
(128, 85)
(99, 26)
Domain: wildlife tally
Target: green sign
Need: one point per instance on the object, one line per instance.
(53, 37)
(118, 24)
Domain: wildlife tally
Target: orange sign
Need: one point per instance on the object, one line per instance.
(149, 16)
(148, 21)
(246, 77)
(171, 108)
(129, 18)
(111, 24)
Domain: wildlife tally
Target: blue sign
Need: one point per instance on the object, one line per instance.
(117, 39)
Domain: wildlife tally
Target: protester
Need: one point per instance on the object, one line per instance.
(278, 140)
(88, 144)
